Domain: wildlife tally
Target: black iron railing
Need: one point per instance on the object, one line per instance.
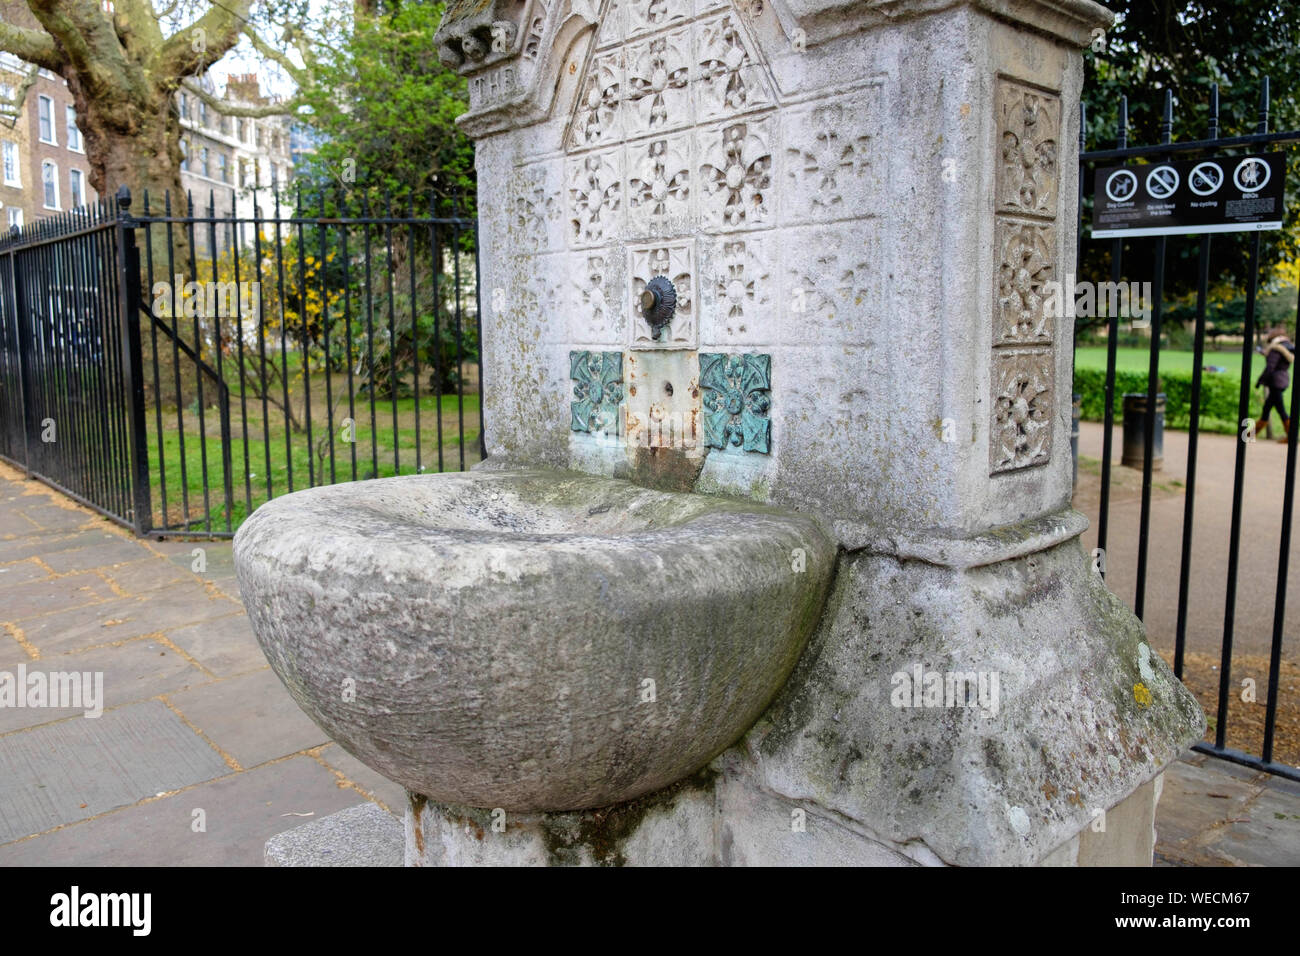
(188, 364)
(1158, 250)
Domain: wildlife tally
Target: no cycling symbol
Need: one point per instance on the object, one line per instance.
(1206, 178)
(1162, 182)
(1121, 185)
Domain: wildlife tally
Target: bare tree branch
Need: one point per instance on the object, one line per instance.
(299, 74)
(34, 46)
(192, 49)
(226, 108)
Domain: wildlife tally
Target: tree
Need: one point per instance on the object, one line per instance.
(385, 109)
(123, 62)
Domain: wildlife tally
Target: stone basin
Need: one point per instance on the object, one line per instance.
(530, 639)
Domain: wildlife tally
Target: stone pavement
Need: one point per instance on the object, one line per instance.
(200, 755)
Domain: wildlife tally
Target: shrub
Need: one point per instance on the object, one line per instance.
(1219, 394)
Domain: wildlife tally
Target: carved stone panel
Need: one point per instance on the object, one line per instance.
(537, 209)
(729, 81)
(595, 196)
(657, 94)
(830, 288)
(1026, 256)
(738, 291)
(1023, 401)
(831, 169)
(1026, 264)
(659, 185)
(593, 318)
(598, 115)
(1029, 134)
(676, 261)
(735, 176)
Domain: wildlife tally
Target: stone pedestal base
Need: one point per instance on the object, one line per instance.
(721, 820)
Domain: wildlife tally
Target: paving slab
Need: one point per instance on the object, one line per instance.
(146, 574)
(225, 646)
(137, 670)
(251, 717)
(240, 812)
(379, 788)
(53, 594)
(78, 768)
(113, 549)
(1269, 834)
(20, 572)
(115, 619)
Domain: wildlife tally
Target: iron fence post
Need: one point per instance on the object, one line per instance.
(128, 307)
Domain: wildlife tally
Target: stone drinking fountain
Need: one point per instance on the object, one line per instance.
(772, 558)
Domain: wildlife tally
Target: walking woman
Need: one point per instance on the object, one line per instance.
(1279, 353)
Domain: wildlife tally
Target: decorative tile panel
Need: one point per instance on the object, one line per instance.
(737, 400)
(537, 209)
(728, 79)
(832, 286)
(597, 390)
(598, 115)
(657, 95)
(593, 318)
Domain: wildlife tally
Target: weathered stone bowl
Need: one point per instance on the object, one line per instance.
(531, 640)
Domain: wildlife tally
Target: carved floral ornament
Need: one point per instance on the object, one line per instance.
(1023, 379)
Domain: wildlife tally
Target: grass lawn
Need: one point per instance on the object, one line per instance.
(270, 458)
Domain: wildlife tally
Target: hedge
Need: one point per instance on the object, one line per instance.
(1219, 396)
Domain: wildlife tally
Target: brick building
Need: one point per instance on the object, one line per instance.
(44, 170)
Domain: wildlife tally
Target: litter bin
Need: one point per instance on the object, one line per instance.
(1076, 404)
(1135, 413)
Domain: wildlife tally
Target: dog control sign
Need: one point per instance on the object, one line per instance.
(1223, 194)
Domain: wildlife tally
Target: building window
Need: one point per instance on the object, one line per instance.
(222, 172)
(203, 114)
(45, 113)
(15, 218)
(203, 161)
(11, 164)
(78, 194)
(74, 134)
(241, 128)
(50, 179)
(185, 156)
(257, 136)
(185, 106)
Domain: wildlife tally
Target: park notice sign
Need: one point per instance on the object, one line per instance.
(1222, 194)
